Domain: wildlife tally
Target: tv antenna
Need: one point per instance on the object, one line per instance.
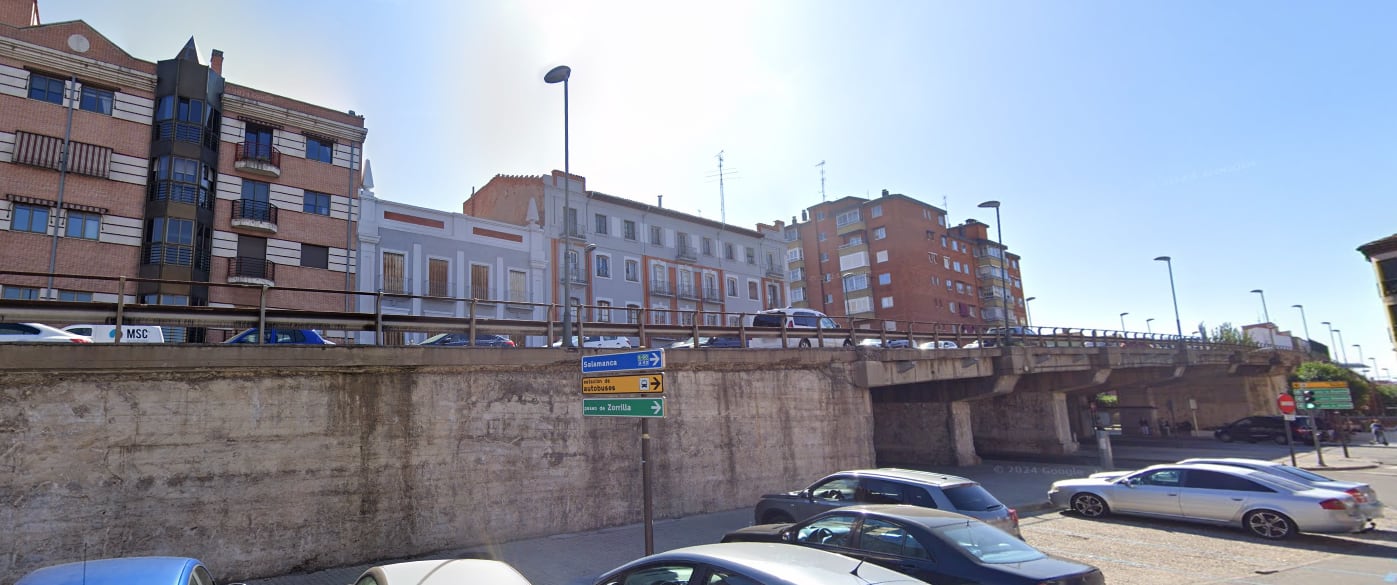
(723, 176)
(822, 180)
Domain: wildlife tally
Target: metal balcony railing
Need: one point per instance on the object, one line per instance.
(661, 287)
(258, 152)
(687, 291)
(255, 210)
(245, 267)
(687, 253)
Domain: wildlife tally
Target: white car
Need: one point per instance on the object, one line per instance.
(443, 572)
(598, 341)
(38, 333)
(1368, 502)
(803, 329)
(943, 344)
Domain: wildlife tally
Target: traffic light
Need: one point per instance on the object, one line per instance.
(1307, 399)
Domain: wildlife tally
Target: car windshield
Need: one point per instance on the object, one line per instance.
(435, 338)
(988, 544)
(971, 497)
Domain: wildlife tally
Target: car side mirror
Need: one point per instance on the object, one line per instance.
(788, 536)
(805, 493)
(1131, 481)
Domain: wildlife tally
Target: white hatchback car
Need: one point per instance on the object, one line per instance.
(803, 329)
(38, 333)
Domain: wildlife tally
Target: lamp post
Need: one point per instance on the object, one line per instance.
(1342, 351)
(561, 74)
(1149, 329)
(1028, 312)
(1177, 323)
(1386, 374)
(1332, 345)
(1123, 321)
(1374, 375)
(1003, 276)
(1360, 355)
(1307, 326)
(1266, 314)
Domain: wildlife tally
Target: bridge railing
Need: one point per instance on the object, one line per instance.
(386, 318)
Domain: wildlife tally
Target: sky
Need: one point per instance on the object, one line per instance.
(1252, 142)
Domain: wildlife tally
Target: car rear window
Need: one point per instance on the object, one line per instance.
(971, 497)
(769, 320)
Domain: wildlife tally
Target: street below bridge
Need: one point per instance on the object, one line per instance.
(1128, 550)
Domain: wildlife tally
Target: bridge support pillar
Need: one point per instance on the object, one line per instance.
(1035, 422)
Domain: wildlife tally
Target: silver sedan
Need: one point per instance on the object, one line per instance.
(1263, 504)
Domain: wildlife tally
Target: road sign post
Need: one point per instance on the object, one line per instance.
(1286, 403)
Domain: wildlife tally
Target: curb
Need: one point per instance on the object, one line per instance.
(1354, 467)
(1033, 509)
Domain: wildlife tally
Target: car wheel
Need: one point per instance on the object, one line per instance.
(777, 517)
(1269, 524)
(1225, 437)
(804, 343)
(1090, 505)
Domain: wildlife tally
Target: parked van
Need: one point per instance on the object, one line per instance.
(129, 333)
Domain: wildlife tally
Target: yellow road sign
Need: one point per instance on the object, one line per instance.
(1318, 385)
(646, 384)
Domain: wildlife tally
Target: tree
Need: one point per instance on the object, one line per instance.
(1229, 335)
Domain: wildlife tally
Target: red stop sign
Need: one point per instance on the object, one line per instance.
(1287, 403)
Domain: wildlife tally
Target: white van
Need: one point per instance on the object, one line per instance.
(129, 333)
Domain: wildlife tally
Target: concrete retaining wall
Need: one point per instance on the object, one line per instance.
(269, 470)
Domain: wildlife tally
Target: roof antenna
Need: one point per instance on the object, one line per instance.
(855, 572)
(822, 181)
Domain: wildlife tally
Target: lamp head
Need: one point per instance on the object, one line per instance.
(1297, 306)
(994, 204)
(557, 74)
(1324, 323)
(1124, 314)
(1029, 299)
(591, 247)
(1162, 259)
(1256, 290)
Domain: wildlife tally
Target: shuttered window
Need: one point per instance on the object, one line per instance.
(480, 281)
(393, 275)
(518, 286)
(438, 283)
(46, 151)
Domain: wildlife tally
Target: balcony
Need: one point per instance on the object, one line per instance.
(577, 278)
(661, 288)
(687, 253)
(774, 271)
(712, 295)
(256, 271)
(258, 158)
(254, 215)
(850, 227)
(1389, 288)
(687, 291)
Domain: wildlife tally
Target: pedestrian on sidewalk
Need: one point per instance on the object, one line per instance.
(1145, 426)
(1378, 435)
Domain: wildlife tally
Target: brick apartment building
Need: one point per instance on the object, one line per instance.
(171, 174)
(623, 256)
(894, 259)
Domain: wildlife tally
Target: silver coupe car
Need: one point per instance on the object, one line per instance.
(1263, 504)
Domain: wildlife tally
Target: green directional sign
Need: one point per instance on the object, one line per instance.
(631, 407)
(1325, 395)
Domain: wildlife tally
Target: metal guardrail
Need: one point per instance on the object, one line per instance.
(476, 319)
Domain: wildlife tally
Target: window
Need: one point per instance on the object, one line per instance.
(859, 305)
(943, 241)
(480, 281)
(885, 278)
(320, 149)
(834, 530)
(773, 295)
(829, 299)
(632, 313)
(886, 302)
(881, 537)
(518, 286)
(169, 241)
(46, 89)
(877, 211)
(438, 277)
(819, 216)
(74, 296)
(732, 287)
(796, 274)
(707, 245)
(728, 252)
(880, 233)
(394, 266)
(846, 218)
(570, 221)
(96, 100)
(855, 282)
(796, 255)
(657, 236)
(30, 218)
(317, 203)
(659, 314)
(946, 261)
(797, 295)
(602, 224)
(633, 270)
(628, 230)
(752, 291)
(953, 306)
(21, 293)
(881, 256)
(828, 277)
(604, 311)
(956, 266)
(824, 256)
(941, 219)
(603, 266)
(83, 225)
(792, 234)
(820, 236)
(315, 256)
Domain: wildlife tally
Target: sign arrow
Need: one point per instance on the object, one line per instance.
(655, 407)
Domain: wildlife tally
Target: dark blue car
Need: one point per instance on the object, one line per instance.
(282, 336)
(123, 571)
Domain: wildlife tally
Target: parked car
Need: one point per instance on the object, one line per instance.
(129, 333)
(891, 344)
(1266, 428)
(283, 337)
(1363, 493)
(942, 344)
(994, 336)
(123, 571)
(38, 333)
(464, 340)
(443, 572)
(1260, 503)
(802, 327)
(721, 341)
(751, 563)
(935, 546)
(597, 341)
(888, 486)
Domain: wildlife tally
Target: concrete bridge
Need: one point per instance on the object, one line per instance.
(268, 460)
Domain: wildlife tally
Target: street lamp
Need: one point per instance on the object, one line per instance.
(1003, 276)
(1342, 351)
(1332, 345)
(1386, 374)
(1360, 355)
(1028, 312)
(1307, 326)
(1123, 321)
(1175, 295)
(557, 74)
(1148, 329)
(1264, 312)
(1375, 367)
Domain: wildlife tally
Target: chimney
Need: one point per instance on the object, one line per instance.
(660, 201)
(885, 192)
(216, 62)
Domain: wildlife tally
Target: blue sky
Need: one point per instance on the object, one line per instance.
(1250, 141)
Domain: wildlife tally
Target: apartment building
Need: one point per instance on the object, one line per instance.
(892, 259)
(624, 260)
(113, 166)
(1383, 254)
(997, 274)
(452, 264)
